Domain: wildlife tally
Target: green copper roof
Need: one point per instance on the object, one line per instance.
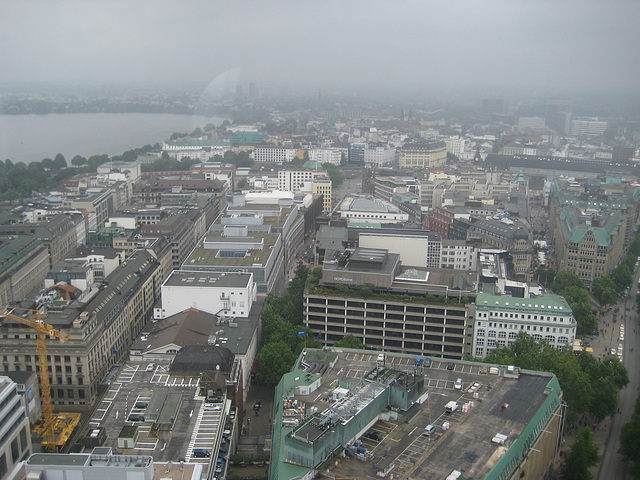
(603, 239)
(541, 303)
(576, 231)
(281, 470)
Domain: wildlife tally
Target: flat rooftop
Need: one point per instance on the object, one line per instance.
(467, 444)
(201, 256)
(210, 279)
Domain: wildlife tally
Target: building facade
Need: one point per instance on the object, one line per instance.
(101, 324)
(24, 263)
(398, 309)
(423, 155)
(15, 437)
(265, 154)
(499, 319)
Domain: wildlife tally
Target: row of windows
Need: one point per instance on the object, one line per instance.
(536, 328)
(491, 342)
(515, 316)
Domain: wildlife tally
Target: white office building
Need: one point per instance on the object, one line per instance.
(325, 155)
(588, 126)
(221, 294)
(459, 255)
(499, 319)
(455, 145)
(15, 436)
(267, 154)
(297, 181)
(380, 156)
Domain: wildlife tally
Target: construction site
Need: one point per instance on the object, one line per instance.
(54, 430)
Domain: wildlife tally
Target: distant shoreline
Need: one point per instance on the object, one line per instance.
(31, 137)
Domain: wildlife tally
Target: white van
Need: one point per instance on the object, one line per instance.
(451, 407)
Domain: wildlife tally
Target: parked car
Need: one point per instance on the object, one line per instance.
(141, 405)
(458, 385)
(151, 367)
(201, 453)
(136, 417)
(450, 365)
(373, 435)
(429, 430)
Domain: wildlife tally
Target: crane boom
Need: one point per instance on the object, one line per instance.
(43, 329)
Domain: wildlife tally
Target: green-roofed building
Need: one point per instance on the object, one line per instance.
(591, 230)
(499, 319)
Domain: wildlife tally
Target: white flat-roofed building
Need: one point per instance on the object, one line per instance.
(459, 255)
(365, 209)
(379, 156)
(102, 463)
(588, 126)
(415, 250)
(267, 154)
(274, 197)
(455, 145)
(325, 155)
(221, 294)
(15, 437)
(296, 180)
(499, 319)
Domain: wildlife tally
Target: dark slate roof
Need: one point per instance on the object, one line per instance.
(197, 358)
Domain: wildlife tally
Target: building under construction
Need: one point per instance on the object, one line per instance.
(64, 424)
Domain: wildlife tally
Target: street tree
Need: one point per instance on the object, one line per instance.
(275, 359)
(582, 456)
(580, 303)
(604, 288)
(564, 279)
(630, 441)
(334, 174)
(78, 161)
(634, 247)
(59, 162)
(622, 276)
(349, 341)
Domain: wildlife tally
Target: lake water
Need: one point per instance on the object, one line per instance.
(28, 138)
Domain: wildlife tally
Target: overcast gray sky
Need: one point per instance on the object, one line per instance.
(550, 44)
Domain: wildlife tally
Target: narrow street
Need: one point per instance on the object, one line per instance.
(611, 465)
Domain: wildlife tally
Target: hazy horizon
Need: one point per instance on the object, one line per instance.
(541, 46)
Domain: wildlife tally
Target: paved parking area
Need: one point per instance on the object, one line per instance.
(405, 442)
(206, 430)
(194, 427)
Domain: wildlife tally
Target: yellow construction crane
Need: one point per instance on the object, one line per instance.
(43, 330)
